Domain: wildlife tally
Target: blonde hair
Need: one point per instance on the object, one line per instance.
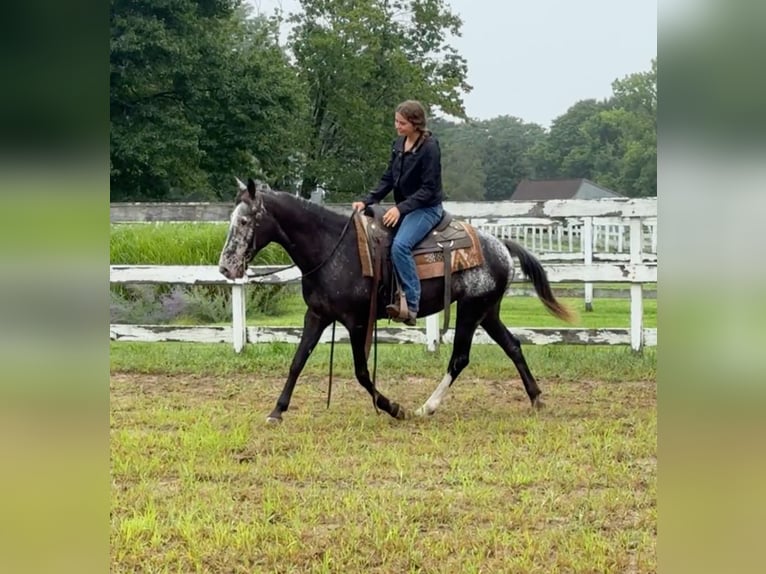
(414, 112)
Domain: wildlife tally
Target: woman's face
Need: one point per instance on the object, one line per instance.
(403, 127)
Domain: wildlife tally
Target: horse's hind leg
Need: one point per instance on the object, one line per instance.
(468, 317)
(512, 347)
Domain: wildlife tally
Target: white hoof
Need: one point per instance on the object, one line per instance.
(424, 411)
(273, 420)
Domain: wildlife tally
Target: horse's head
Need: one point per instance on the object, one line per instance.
(245, 236)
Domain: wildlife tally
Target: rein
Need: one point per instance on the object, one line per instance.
(332, 339)
(325, 260)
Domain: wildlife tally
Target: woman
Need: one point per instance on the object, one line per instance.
(414, 173)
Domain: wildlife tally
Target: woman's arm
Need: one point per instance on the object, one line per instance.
(385, 185)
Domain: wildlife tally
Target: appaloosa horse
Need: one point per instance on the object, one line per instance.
(323, 244)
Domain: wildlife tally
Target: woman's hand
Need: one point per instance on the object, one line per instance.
(358, 206)
(391, 217)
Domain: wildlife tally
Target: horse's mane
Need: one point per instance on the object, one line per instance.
(313, 208)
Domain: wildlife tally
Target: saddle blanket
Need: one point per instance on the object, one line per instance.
(429, 264)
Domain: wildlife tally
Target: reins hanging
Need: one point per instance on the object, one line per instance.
(325, 260)
(332, 338)
(374, 364)
(332, 353)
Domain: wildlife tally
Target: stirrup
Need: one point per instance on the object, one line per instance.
(407, 317)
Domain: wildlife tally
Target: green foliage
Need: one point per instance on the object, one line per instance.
(462, 147)
(611, 142)
(184, 244)
(201, 91)
(190, 305)
(178, 244)
(507, 155)
(198, 93)
(358, 60)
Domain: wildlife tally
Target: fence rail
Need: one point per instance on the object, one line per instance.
(567, 231)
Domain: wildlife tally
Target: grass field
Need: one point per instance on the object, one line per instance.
(202, 484)
(515, 312)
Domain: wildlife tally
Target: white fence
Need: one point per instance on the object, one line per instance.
(564, 234)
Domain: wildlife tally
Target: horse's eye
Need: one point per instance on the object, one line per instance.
(244, 220)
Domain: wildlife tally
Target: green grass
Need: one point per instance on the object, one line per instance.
(177, 244)
(548, 362)
(201, 484)
(515, 312)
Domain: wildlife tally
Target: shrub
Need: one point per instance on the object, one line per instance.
(183, 244)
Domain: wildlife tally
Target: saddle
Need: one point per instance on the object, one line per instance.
(450, 247)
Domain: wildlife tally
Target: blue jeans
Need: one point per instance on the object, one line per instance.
(412, 229)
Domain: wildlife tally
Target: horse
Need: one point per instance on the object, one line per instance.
(323, 245)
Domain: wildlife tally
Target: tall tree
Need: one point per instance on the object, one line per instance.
(358, 59)
(636, 97)
(198, 93)
(462, 147)
(507, 155)
(612, 142)
(567, 151)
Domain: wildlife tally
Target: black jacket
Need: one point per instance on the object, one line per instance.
(415, 176)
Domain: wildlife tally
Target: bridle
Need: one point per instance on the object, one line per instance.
(315, 269)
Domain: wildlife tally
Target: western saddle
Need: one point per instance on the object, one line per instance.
(447, 236)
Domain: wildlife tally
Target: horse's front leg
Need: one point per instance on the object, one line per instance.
(358, 335)
(313, 326)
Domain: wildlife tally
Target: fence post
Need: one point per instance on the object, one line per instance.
(621, 239)
(238, 323)
(587, 246)
(432, 332)
(636, 289)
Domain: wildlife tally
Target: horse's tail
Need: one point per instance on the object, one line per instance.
(535, 272)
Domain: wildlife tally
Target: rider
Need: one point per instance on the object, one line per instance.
(414, 173)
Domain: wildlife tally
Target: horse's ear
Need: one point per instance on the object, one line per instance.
(251, 187)
(240, 185)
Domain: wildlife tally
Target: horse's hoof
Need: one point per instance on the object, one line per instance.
(273, 419)
(424, 411)
(538, 404)
(398, 412)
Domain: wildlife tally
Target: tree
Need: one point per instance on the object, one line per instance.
(462, 148)
(507, 155)
(611, 142)
(198, 93)
(358, 59)
(636, 96)
(567, 151)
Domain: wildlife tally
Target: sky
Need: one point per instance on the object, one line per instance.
(533, 59)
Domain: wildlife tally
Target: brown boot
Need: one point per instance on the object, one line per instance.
(395, 314)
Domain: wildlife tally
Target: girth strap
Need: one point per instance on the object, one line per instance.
(447, 284)
(377, 273)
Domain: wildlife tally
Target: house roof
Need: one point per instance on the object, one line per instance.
(544, 189)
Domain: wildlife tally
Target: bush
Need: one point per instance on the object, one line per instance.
(183, 244)
(195, 305)
(178, 244)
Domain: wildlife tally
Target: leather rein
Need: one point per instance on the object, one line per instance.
(372, 327)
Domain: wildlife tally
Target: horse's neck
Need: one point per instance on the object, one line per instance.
(308, 236)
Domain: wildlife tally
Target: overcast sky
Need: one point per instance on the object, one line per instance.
(533, 59)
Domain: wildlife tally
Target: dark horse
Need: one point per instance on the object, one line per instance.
(324, 247)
